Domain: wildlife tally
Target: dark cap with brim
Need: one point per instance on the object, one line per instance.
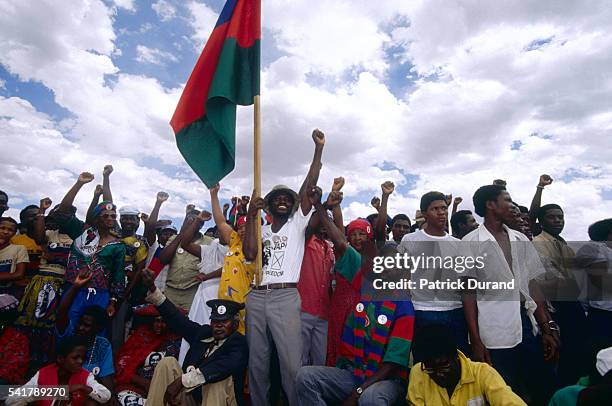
(278, 189)
(224, 309)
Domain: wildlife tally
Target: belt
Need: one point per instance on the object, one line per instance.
(275, 286)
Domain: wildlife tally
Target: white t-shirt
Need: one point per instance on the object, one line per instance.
(283, 251)
(499, 321)
(421, 243)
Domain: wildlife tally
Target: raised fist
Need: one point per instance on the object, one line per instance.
(338, 184)
(45, 203)
(387, 188)
(85, 177)
(334, 199)
(318, 137)
(375, 202)
(545, 180)
(98, 190)
(189, 208)
(108, 169)
(457, 201)
(214, 189)
(162, 196)
(204, 215)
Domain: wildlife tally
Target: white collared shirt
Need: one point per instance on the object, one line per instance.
(499, 321)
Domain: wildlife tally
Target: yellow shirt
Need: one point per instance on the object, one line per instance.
(480, 384)
(236, 276)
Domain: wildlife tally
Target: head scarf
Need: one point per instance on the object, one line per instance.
(360, 224)
(101, 207)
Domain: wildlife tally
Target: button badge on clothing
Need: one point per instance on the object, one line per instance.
(221, 310)
(136, 244)
(359, 307)
(180, 250)
(53, 245)
(382, 319)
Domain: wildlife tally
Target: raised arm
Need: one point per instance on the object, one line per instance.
(39, 223)
(189, 230)
(151, 222)
(313, 173)
(224, 229)
(93, 204)
(66, 203)
(335, 235)
(61, 322)
(165, 257)
(249, 245)
(106, 190)
(536, 202)
(381, 222)
(456, 202)
(335, 207)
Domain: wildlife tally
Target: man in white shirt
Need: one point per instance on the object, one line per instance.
(505, 326)
(273, 307)
(431, 306)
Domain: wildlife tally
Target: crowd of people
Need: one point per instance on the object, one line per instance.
(182, 317)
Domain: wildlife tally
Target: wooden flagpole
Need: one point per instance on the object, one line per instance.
(257, 182)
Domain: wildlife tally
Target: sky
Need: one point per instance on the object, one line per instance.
(440, 95)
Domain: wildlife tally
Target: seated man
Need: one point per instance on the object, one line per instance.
(372, 361)
(67, 370)
(216, 360)
(447, 377)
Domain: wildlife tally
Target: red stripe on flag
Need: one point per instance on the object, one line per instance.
(192, 104)
(245, 24)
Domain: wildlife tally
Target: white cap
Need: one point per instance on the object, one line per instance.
(604, 361)
(129, 211)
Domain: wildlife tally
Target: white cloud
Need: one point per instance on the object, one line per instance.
(164, 9)
(483, 82)
(155, 56)
(125, 4)
(202, 19)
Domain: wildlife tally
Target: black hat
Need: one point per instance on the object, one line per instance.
(224, 309)
(599, 231)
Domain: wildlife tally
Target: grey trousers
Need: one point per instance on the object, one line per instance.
(321, 385)
(273, 314)
(314, 339)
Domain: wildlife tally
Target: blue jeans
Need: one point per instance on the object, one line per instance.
(453, 319)
(317, 385)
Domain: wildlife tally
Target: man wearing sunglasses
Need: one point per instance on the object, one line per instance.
(446, 377)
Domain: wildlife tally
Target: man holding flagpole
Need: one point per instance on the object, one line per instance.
(273, 307)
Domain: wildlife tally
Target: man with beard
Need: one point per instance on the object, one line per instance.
(273, 307)
(214, 367)
(447, 377)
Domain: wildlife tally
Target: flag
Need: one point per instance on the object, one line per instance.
(226, 74)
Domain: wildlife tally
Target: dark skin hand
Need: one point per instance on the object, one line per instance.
(249, 247)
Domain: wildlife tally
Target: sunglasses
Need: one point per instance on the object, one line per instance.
(440, 369)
